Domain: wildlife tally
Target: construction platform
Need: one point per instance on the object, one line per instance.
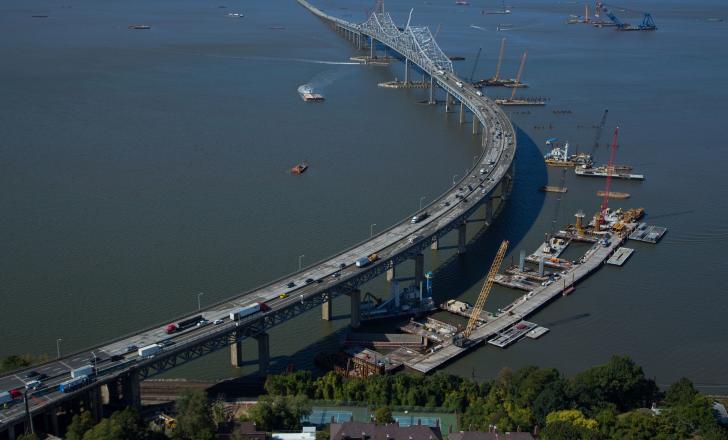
(384, 340)
(404, 85)
(647, 233)
(620, 256)
(523, 307)
(553, 189)
(512, 334)
(537, 332)
(519, 102)
(515, 282)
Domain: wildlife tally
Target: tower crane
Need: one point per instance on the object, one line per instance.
(520, 72)
(485, 290)
(475, 64)
(608, 184)
(500, 60)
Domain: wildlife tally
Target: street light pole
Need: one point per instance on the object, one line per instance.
(454, 178)
(199, 305)
(300, 257)
(27, 410)
(371, 229)
(421, 199)
(58, 348)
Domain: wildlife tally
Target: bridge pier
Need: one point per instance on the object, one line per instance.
(355, 296)
(371, 47)
(419, 268)
(447, 102)
(263, 353)
(94, 404)
(476, 123)
(326, 309)
(435, 244)
(391, 273)
(406, 70)
(132, 390)
(462, 113)
(432, 90)
(236, 354)
(462, 229)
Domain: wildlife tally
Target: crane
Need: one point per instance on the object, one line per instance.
(598, 133)
(518, 77)
(648, 23)
(608, 184)
(557, 205)
(500, 60)
(485, 290)
(475, 64)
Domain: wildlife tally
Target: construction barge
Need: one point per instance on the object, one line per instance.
(604, 171)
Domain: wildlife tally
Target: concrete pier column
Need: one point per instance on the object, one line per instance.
(435, 244)
(391, 273)
(419, 268)
(462, 113)
(432, 90)
(522, 260)
(54, 422)
(476, 122)
(462, 229)
(132, 390)
(447, 102)
(94, 403)
(326, 309)
(355, 296)
(236, 354)
(371, 47)
(406, 70)
(11, 432)
(263, 353)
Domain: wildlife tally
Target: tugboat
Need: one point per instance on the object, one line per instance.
(559, 157)
(299, 168)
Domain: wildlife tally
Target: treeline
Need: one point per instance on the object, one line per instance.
(14, 362)
(604, 402)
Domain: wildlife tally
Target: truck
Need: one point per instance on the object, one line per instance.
(5, 397)
(459, 84)
(149, 350)
(373, 257)
(183, 325)
(362, 262)
(419, 217)
(73, 384)
(247, 311)
(86, 370)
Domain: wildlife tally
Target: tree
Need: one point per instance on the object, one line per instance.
(279, 412)
(681, 392)
(572, 416)
(636, 425)
(383, 415)
(27, 436)
(562, 430)
(122, 425)
(80, 423)
(194, 419)
(552, 398)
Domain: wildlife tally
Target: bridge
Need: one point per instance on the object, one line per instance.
(119, 366)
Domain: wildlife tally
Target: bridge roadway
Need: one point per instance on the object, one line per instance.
(404, 240)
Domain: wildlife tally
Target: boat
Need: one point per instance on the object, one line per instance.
(553, 189)
(559, 157)
(308, 95)
(462, 2)
(602, 171)
(299, 168)
(236, 14)
(139, 26)
(614, 195)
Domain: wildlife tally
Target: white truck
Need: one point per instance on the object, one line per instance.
(149, 350)
(86, 370)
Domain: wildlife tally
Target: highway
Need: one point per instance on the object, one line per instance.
(328, 276)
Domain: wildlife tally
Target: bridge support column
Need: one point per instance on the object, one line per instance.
(488, 211)
(326, 309)
(476, 123)
(391, 273)
(132, 390)
(236, 354)
(54, 422)
(11, 432)
(447, 102)
(462, 229)
(355, 296)
(94, 404)
(435, 244)
(462, 113)
(432, 90)
(419, 269)
(263, 353)
(406, 70)
(371, 47)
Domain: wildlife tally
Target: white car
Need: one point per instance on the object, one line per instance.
(217, 322)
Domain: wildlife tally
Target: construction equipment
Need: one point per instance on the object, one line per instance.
(648, 23)
(475, 64)
(496, 77)
(520, 72)
(485, 290)
(557, 205)
(598, 132)
(608, 184)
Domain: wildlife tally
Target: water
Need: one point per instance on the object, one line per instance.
(140, 167)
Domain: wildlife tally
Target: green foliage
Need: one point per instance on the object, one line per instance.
(279, 412)
(383, 415)
(14, 362)
(122, 425)
(27, 436)
(194, 417)
(572, 416)
(80, 423)
(636, 425)
(563, 430)
(681, 392)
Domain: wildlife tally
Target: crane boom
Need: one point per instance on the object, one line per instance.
(608, 184)
(500, 59)
(598, 132)
(475, 64)
(485, 290)
(520, 72)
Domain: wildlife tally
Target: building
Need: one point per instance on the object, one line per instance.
(476, 435)
(392, 431)
(248, 431)
(307, 433)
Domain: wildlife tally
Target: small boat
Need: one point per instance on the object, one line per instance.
(462, 2)
(299, 168)
(139, 26)
(236, 15)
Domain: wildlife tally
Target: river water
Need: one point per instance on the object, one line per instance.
(141, 167)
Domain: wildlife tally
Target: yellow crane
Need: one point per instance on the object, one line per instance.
(485, 290)
(518, 77)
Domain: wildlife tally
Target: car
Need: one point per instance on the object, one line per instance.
(15, 393)
(309, 280)
(132, 348)
(217, 322)
(319, 281)
(31, 374)
(202, 322)
(42, 376)
(283, 296)
(337, 274)
(116, 358)
(342, 265)
(291, 285)
(166, 343)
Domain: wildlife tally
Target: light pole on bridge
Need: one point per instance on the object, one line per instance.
(300, 257)
(371, 230)
(454, 178)
(58, 347)
(199, 305)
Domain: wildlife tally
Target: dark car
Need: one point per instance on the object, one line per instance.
(166, 343)
(116, 358)
(309, 280)
(132, 348)
(42, 376)
(291, 284)
(30, 374)
(342, 265)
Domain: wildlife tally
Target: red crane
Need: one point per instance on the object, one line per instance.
(610, 171)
